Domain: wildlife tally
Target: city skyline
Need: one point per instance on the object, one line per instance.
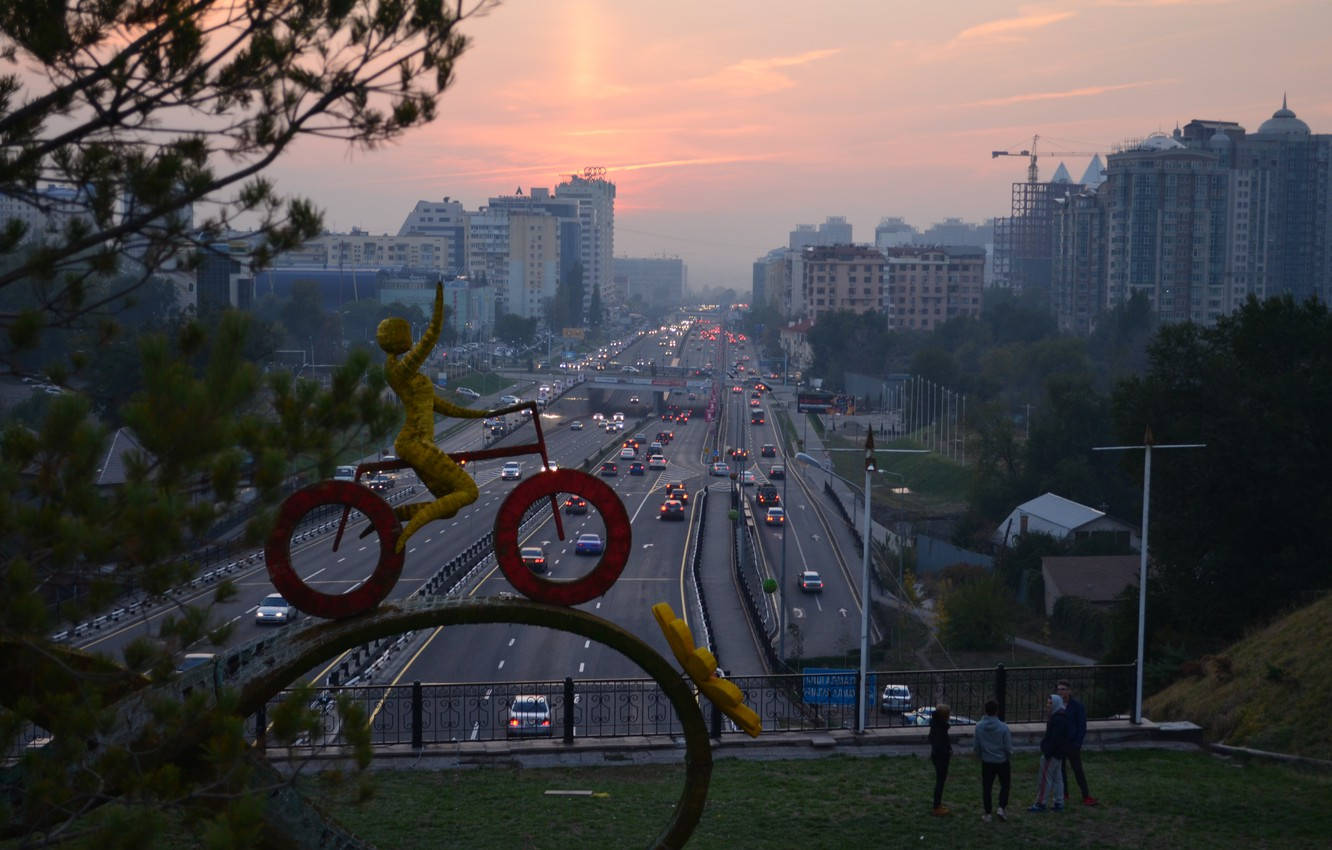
(725, 127)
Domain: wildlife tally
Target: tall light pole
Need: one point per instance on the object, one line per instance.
(1146, 446)
(871, 466)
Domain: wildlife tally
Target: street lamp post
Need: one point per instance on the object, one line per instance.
(1142, 560)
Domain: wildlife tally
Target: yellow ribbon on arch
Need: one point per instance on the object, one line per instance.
(701, 666)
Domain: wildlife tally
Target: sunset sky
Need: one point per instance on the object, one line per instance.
(726, 123)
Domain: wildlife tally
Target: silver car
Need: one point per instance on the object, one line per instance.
(274, 611)
(896, 698)
(529, 716)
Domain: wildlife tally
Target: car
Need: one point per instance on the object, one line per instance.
(672, 509)
(575, 505)
(510, 399)
(739, 455)
(754, 402)
(633, 399)
(380, 482)
(896, 698)
(597, 417)
(511, 471)
(617, 417)
(589, 544)
(194, 659)
(529, 716)
(775, 516)
(693, 396)
(534, 558)
(720, 470)
(810, 582)
(676, 490)
(768, 496)
(274, 611)
(628, 453)
(921, 717)
(344, 473)
(637, 468)
(665, 437)
(467, 392)
(747, 478)
(609, 470)
(638, 440)
(576, 425)
(777, 472)
(768, 450)
(655, 447)
(656, 462)
(736, 389)
(756, 417)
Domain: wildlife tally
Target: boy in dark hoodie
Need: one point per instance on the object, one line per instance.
(941, 751)
(1054, 745)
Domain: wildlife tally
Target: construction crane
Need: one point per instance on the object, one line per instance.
(1032, 154)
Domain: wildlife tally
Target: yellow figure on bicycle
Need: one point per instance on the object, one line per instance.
(452, 487)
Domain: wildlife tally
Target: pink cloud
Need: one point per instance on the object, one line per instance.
(1087, 91)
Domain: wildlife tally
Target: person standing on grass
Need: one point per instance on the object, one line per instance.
(994, 745)
(1077, 718)
(1054, 745)
(941, 751)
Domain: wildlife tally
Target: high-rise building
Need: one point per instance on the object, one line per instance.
(1024, 241)
(835, 230)
(929, 284)
(596, 216)
(892, 232)
(1199, 221)
(446, 219)
(842, 277)
(516, 253)
(566, 213)
(657, 282)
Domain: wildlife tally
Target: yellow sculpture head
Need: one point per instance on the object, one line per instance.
(394, 335)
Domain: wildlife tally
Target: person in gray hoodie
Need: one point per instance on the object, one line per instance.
(994, 744)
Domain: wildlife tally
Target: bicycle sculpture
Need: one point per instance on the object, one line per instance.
(551, 600)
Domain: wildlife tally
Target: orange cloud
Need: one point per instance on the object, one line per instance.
(761, 76)
(1005, 29)
(1088, 91)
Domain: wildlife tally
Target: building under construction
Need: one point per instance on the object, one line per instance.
(1024, 242)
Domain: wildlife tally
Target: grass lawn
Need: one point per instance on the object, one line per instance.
(1150, 798)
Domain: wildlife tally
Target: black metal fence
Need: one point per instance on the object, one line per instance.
(419, 714)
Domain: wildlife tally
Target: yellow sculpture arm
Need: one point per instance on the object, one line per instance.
(415, 358)
(445, 407)
(701, 666)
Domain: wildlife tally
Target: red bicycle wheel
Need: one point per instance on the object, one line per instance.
(541, 486)
(277, 551)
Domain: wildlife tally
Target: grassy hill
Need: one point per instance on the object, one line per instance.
(1271, 691)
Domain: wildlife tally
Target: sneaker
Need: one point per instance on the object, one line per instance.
(940, 811)
(985, 818)
(1036, 808)
(1059, 807)
(1001, 813)
(1090, 801)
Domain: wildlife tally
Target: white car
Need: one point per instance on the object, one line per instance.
(656, 462)
(467, 392)
(511, 471)
(344, 473)
(628, 453)
(274, 611)
(575, 425)
(618, 417)
(510, 399)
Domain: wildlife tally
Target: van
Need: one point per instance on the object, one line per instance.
(344, 473)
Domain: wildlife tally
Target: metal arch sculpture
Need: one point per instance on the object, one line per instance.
(320, 643)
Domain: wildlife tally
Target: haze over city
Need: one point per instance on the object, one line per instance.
(725, 125)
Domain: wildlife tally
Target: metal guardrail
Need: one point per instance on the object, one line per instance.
(421, 715)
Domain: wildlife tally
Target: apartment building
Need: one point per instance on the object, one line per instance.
(929, 284)
(842, 277)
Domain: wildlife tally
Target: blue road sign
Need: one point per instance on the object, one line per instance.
(833, 686)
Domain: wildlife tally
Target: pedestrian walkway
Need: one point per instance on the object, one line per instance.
(733, 639)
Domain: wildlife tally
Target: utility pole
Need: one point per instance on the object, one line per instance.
(1147, 445)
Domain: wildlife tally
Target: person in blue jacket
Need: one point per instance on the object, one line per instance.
(1054, 746)
(993, 743)
(1077, 718)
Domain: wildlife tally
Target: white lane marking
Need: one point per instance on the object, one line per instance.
(580, 667)
(799, 612)
(818, 604)
(476, 727)
(340, 560)
(489, 691)
(501, 664)
(315, 573)
(512, 641)
(587, 643)
(648, 545)
(598, 605)
(842, 611)
(363, 548)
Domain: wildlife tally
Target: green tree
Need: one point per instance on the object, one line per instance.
(595, 311)
(250, 79)
(1239, 529)
(511, 327)
(976, 613)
